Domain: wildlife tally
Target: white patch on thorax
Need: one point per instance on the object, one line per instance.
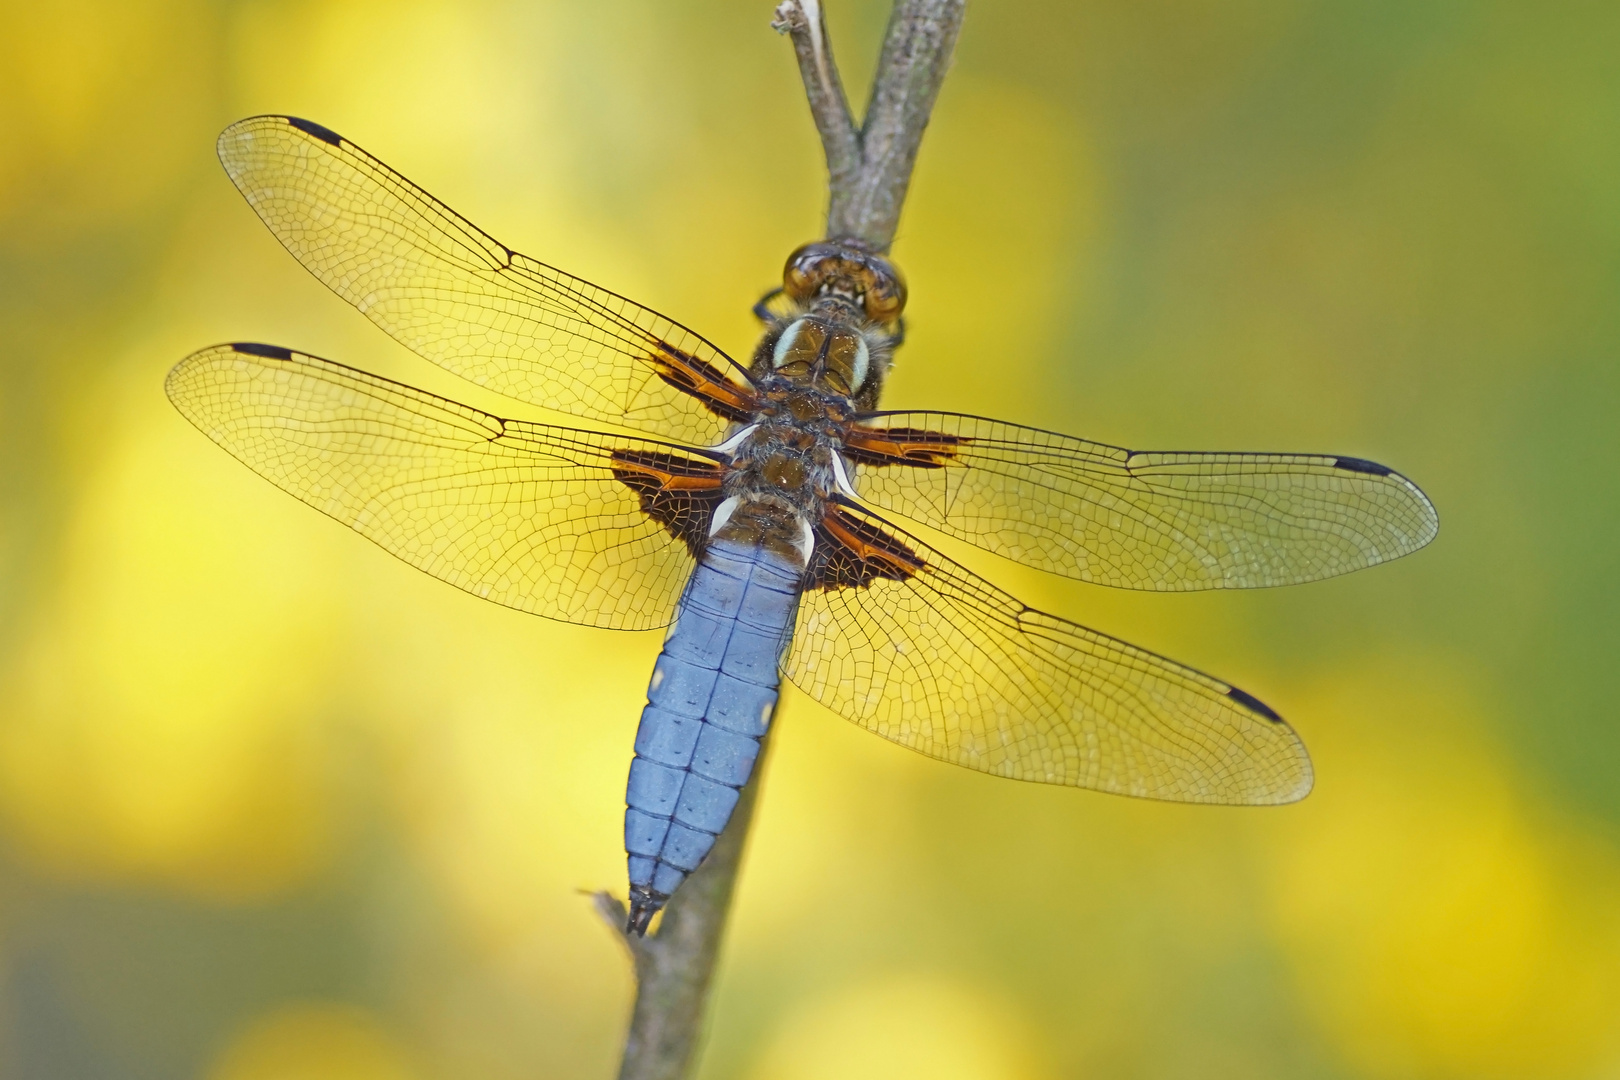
(806, 542)
(863, 361)
(842, 480)
(729, 447)
(785, 342)
(723, 512)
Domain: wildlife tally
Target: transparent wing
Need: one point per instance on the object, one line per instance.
(1166, 521)
(935, 658)
(526, 515)
(461, 299)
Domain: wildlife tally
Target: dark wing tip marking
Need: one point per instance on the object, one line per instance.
(310, 127)
(254, 348)
(1253, 704)
(1361, 465)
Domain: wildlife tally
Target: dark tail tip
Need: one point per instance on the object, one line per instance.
(644, 904)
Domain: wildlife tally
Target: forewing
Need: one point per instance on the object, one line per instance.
(1159, 520)
(534, 517)
(467, 302)
(902, 641)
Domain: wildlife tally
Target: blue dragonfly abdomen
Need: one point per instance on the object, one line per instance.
(709, 703)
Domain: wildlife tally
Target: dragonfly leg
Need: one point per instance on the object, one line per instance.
(762, 310)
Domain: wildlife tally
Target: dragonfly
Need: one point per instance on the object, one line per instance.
(748, 508)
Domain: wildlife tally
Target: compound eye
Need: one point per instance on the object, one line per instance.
(884, 307)
(885, 292)
(796, 283)
(805, 270)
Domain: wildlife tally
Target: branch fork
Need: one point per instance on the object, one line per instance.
(869, 166)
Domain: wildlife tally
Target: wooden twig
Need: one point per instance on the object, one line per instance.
(805, 26)
(675, 963)
(868, 172)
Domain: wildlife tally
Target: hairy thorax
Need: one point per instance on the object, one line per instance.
(820, 363)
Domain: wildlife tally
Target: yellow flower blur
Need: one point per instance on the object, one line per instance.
(273, 804)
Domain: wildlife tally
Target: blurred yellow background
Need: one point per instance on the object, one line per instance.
(274, 805)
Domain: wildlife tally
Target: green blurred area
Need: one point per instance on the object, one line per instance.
(273, 804)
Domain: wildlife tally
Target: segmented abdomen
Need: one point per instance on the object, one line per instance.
(709, 703)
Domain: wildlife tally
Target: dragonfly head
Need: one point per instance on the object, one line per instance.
(847, 269)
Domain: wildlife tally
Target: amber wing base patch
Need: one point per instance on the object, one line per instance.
(851, 553)
(678, 492)
(704, 381)
(916, 447)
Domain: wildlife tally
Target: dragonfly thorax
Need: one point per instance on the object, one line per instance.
(823, 353)
(839, 324)
(767, 521)
(788, 455)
